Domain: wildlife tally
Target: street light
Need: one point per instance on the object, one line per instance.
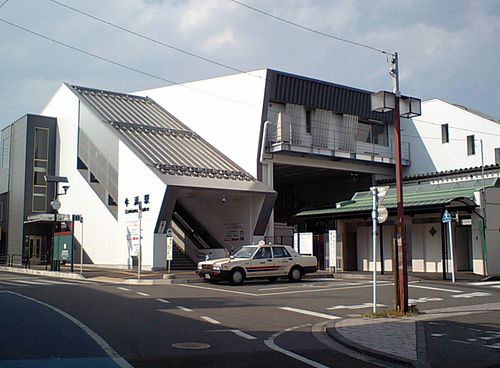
(407, 107)
(55, 204)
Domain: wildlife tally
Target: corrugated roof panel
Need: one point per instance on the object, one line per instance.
(163, 140)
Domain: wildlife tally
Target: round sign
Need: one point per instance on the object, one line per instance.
(170, 232)
(55, 204)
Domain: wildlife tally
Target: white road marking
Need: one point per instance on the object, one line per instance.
(220, 290)
(472, 340)
(461, 342)
(485, 283)
(31, 282)
(271, 345)
(121, 362)
(243, 334)
(356, 306)
(10, 283)
(163, 301)
(424, 299)
(123, 288)
(141, 293)
(471, 295)
(309, 313)
(437, 335)
(275, 288)
(211, 320)
(496, 286)
(494, 346)
(184, 308)
(434, 288)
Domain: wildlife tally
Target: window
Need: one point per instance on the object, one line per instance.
(280, 252)
(308, 121)
(5, 152)
(497, 156)
(471, 148)
(263, 253)
(372, 132)
(445, 138)
(40, 169)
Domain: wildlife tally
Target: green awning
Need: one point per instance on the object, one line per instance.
(424, 195)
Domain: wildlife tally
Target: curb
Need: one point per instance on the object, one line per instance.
(379, 355)
(62, 275)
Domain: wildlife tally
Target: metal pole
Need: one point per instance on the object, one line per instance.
(139, 256)
(81, 250)
(401, 233)
(72, 241)
(374, 248)
(451, 253)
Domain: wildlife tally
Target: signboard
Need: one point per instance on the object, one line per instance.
(133, 231)
(234, 232)
(446, 217)
(305, 243)
(170, 248)
(332, 249)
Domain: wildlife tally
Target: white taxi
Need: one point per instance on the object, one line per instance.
(259, 261)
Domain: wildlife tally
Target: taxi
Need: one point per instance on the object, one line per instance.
(258, 261)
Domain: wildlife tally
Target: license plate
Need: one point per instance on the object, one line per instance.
(207, 276)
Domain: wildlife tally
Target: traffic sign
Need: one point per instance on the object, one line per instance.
(446, 217)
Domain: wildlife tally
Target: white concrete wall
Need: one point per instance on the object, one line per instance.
(429, 154)
(426, 248)
(104, 237)
(226, 111)
(493, 229)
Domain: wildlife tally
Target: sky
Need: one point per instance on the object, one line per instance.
(448, 49)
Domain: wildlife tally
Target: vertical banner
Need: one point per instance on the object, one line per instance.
(332, 249)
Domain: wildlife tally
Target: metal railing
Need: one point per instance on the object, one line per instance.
(325, 141)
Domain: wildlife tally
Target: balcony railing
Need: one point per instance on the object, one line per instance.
(332, 143)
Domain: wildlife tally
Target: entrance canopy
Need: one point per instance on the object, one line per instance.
(414, 196)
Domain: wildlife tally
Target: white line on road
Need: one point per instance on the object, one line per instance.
(471, 295)
(211, 320)
(275, 288)
(121, 362)
(220, 290)
(31, 282)
(243, 334)
(122, 288)
(143, 294)
(494, 346)
(271, 345)
(434, 288)
(461, 342)
(163, 301)
(485, 283)
(310, 313)
(184, 308)
(358, 306)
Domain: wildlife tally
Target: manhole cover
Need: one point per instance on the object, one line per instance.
(191, 345)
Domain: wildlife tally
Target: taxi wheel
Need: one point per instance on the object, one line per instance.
(295, 274)
(237, 277)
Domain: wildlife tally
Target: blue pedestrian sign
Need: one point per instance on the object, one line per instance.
(446, 217)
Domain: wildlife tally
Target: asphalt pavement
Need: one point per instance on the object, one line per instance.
(471, 332)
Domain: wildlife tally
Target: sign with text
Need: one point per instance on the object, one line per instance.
(170, 248)
(306, 243)
(332, 249)
(234, 232)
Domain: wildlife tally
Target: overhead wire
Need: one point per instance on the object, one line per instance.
(309, 28)
(161, 43)
(136, 70)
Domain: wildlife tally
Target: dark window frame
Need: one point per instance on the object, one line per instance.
(445, 133)
(471, 147)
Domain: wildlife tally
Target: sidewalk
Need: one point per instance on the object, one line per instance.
(400, 341)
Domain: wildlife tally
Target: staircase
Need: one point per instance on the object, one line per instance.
(181, 262)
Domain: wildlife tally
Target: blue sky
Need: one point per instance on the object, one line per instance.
(448, 49)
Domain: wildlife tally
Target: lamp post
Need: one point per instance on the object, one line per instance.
(55, 204)
(407, 107)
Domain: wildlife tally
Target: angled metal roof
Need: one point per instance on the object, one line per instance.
(427, 195)
(163, 140)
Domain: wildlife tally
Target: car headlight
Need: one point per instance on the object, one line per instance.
(217, 268)
(200, 266)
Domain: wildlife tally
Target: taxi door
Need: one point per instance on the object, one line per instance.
(261, 264)
(282, 260)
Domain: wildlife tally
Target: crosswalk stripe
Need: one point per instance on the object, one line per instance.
(31, 282)
(310, 313)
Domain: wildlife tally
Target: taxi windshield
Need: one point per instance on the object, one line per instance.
(245, 252)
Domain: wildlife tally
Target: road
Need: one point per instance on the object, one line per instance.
(255, 324)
